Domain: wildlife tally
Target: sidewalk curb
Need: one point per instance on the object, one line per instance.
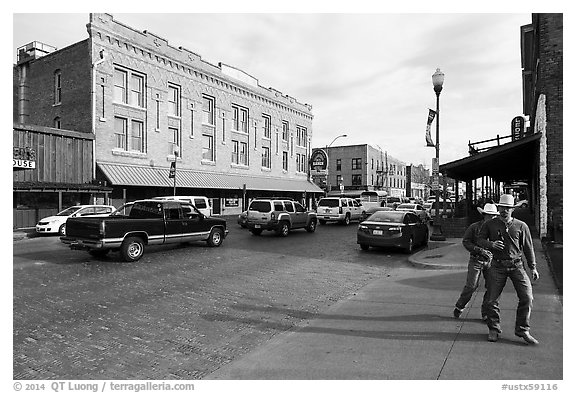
(418, 259)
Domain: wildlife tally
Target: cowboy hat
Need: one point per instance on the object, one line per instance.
(506, 200)
(489, 208)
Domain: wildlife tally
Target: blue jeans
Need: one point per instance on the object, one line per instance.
(475, 268)
(497, 277)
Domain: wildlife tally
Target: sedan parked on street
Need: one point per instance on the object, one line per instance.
(399, 228)
(57, 223)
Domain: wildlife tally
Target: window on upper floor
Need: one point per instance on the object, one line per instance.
(57, 87)
(243, 159)
(338, 164)
(301, 136)
(57, 122)
(267, 126)
(175, 141)
(356, 180)
(285, 131)
(207, 147)
(129, 134)
(235, 152)
(120, 132)
(356, 163)
(208, 110)
(129, 87)
(137, 136)
(266, 157)
(173, 100)
(285, 160)
(239, 118)
(137, 90)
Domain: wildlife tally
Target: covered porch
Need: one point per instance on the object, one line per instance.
(493, 171)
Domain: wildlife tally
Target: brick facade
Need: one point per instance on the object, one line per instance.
(73, 63)
(161, 65)
(543, 64)
(90, 102)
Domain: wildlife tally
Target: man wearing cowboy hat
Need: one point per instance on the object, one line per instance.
(479, 262)
(509, 238)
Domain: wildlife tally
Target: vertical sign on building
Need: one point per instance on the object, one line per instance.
(517, 128)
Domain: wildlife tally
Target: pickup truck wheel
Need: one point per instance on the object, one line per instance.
(132, 249)
(62, 230)
(283, 229)
(99, 253)
(311, 227)
(346, 220)
(216, 237)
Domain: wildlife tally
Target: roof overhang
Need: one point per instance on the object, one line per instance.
(147, 176)
(509, 162)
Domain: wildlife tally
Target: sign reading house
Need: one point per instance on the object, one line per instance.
(23, 157)
(319, 160)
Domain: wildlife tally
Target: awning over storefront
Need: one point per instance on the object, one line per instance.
(56, 187)
(511, 161)
(134, 175)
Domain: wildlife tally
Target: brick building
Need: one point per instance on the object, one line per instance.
(149, 104)
(364, 167)
(542, 62)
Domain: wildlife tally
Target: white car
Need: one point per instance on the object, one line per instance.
(57, 223)
(201, 203)
(342, 210)
(417, 208)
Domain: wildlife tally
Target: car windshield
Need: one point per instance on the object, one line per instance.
(329, 203)
(69, 211)
(387, 216)
(260, 206)
(407, 206)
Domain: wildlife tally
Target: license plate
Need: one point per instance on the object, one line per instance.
(377, 232)
(257, 226)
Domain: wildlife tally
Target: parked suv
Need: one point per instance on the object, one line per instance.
(279, 215)
(342, 210)
(201, 203)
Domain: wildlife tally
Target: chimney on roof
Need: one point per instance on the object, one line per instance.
(33, 51)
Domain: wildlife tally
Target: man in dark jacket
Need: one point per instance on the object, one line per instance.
(478, 264)
(509, 239)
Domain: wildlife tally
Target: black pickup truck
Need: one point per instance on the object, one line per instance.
(150, 222)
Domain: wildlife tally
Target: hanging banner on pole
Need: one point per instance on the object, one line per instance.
(431, 115)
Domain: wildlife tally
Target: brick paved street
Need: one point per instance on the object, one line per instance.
(182, 311)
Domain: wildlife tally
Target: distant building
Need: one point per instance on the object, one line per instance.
(417, 181)
(355, 168)
(147, 104)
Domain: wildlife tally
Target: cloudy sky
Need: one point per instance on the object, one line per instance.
(366, 75)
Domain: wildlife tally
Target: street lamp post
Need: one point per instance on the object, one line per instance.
(328, 163)
(437, 81)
